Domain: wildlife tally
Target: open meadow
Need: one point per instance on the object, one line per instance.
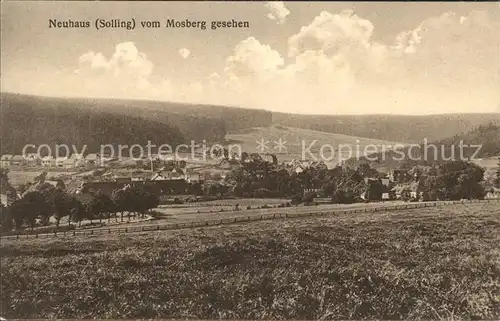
(298, 140)
(430, 263)
(23, 176)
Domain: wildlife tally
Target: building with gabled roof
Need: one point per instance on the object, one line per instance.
(230, 164)
(60, 161)
(32, 159)
(17, 160)
(92, 159)
(493, 193)
(75, 160)
(48, 161)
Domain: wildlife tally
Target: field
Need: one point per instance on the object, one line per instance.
(490, 163)
(432, 263)
(210, 211)
(298, 140)
(406, 128)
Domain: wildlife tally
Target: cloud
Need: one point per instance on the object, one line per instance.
(332, 34)
(453, 50)
(94, 61)
(277, 11)
(127, 71)
(252, 59)
(346, 39)
(184, 53)
(446, 63)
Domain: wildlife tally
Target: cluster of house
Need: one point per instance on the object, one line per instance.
(171, 181)
(295, 165)
(35, 160)
(493, 193)
(168, 172)
(177, 174)
(298, 166)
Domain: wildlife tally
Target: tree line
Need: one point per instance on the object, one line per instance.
(46, 202)
(451, 180)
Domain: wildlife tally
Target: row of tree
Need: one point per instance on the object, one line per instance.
(497, 179)
(38, 206)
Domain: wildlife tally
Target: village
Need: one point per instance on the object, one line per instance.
(220, 178)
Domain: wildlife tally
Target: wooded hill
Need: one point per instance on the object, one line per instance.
(402, 128)
(27, 119)
(487, 136)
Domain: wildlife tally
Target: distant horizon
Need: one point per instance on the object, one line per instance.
(236, 107)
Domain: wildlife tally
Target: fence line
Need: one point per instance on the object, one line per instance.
(241, 219)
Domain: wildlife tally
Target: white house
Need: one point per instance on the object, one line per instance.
(158, 177)
(230, 164)
(92, 160)
(294, 163)
(17, 160)
(32, 159)
(412, 188)
(5, 200)
(493, 193)
(48, 161)
(299, 169)
(60, 161)
(5, 160)
(194, 177)
(75, 160)
(7, 193)
(177, 173)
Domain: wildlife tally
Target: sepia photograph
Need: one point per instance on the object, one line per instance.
(259, 160)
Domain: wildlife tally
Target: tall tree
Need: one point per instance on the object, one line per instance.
(77, 211)
(100, 205)
(63, 204)
(30, 207)
(120, 198)
(49, 193)
(459, 179)
(18, 209)
(5, 218)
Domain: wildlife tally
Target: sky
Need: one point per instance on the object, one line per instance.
(297, 57)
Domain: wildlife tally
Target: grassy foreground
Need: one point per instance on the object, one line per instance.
(434, 263)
